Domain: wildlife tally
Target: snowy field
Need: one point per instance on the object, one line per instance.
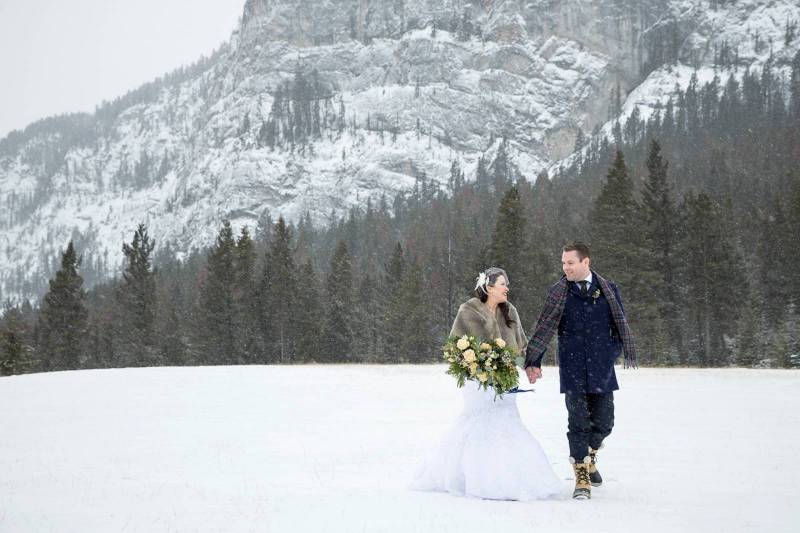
(332, 449)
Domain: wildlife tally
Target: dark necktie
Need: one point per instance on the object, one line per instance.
(584, 287)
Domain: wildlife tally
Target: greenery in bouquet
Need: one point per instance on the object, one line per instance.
(490, 363)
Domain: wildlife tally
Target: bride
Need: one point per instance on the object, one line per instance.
(488, 453)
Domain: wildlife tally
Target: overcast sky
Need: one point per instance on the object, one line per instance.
(60, 56)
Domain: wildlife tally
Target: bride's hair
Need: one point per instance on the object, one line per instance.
(492, 274)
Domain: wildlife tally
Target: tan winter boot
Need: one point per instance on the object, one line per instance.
(583, 486)
(594, 476)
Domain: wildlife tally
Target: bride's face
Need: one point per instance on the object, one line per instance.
(499, 291)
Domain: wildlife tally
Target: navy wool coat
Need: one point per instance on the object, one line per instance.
(588, 342)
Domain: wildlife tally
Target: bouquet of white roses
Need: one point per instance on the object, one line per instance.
(489, 362)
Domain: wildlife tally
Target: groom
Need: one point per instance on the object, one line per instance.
(586, 311)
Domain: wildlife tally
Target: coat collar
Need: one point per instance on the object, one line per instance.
(576, 288)
(479, 307)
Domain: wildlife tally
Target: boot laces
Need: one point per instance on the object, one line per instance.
(582, 473)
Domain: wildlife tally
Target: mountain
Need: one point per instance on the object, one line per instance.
(317, 107)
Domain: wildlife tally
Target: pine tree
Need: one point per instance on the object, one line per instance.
(794, 91)
(464, 31)
(778, 347)
(613, 221)
(773, 279)
(509, 248)
(15, 349)
(501, 169)
(749, 345)
(414, 344)
(790, 236)
(170, 329)
(454, 181)
(102, 337)
(136, 298)
(715, 281)
(281, 287)
(618, 250)
(394, 312)
(792, 333)
(163, 168)
(141, 171)
(308, 313)
(367, 314)
(63, 317)
(245, 125)
(338, 331)
(662, 232)
(245, 297)
(580, 140)
(482, 177)
(217, 309)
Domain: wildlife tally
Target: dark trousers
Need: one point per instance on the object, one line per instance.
(590, 419)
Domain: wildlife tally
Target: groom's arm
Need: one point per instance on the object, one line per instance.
(533, 363)
(536, 348)
(533, 357)
(546, 327)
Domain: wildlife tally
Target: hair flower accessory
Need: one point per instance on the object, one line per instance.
(481, 281)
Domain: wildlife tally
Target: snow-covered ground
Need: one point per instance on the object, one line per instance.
(332, 449)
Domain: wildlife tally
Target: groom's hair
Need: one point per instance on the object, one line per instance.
(580, 247)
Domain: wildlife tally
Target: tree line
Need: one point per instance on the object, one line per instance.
(693, 210)
(264, 301)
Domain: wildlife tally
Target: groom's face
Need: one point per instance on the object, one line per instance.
(573, 267)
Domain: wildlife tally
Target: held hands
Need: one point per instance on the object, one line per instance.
(533, 373)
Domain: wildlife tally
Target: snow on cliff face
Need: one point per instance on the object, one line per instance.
(414, 99)
(753, 32)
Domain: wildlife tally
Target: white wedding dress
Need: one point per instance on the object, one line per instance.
(488, 453)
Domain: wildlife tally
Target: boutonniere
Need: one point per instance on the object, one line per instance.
(595, 295)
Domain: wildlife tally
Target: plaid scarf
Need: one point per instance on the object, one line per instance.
(547, 325)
